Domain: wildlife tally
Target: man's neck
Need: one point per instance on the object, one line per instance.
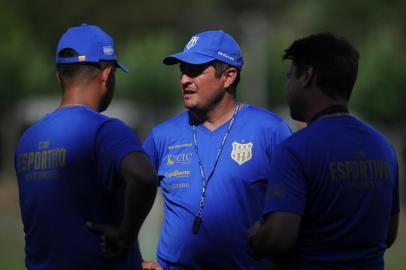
(78, 96)
(216, 116)
(313, 112)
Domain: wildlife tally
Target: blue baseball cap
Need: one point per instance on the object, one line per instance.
(91, 43)
(206, 47)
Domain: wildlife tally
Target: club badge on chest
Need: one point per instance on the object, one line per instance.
(241, 152)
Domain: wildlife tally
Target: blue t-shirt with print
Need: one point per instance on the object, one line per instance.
(235, 193)
(67, 166)
(341, 176)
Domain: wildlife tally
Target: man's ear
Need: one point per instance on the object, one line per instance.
(308, 75)
(58, 78)
(230, 75)
(106, 72)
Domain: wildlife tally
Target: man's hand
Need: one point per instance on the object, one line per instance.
(141, 185)
(275, 238)
(113, 242)
(151, 265)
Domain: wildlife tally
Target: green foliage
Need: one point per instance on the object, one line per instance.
(377, 31)
(380, 91)
(277, 68)
(145, 32)
(149, 81)
(25, 67)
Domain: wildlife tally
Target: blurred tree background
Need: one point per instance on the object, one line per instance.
(146, 31)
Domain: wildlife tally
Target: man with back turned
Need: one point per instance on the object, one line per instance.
(77, 168)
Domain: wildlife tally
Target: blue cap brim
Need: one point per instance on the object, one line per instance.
(187, 57)
(122, 67)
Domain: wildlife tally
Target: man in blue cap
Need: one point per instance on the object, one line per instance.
(212, 161)
(77, 168)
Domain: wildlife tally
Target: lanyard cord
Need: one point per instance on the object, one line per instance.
(205, 181)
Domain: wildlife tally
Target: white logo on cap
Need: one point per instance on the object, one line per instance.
(108, 50)
(226, 55)
(192, 42)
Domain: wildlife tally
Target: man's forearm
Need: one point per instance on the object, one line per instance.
(139, 198)
(142, 184)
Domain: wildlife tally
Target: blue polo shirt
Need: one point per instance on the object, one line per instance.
(235, 194)
(341, 176)
(67, 166)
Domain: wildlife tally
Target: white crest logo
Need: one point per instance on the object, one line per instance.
(108, 50)
(241, 153)
(192, 42)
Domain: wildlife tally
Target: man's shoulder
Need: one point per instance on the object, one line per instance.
(76, 118)
(263, 119)
(262, 113)
(326, 131)
(177, 122)
(372, 130)
(168, 132)
(81, 112)
(92, 114)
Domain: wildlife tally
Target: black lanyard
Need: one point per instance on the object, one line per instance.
(205, 181)
(336, 109)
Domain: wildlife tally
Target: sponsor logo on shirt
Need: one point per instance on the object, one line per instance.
(178, 173)
(178, 146)
(242, 152)
(183, 158)
(178, 186)
(276, 190)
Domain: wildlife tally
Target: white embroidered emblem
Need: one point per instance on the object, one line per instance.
(108, 50)
(241, 153)
(192, 42)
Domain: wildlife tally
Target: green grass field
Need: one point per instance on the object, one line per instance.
(12, 239)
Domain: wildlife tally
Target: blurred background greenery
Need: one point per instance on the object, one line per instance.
(146, 31)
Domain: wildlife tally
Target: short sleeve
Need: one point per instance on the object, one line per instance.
(150, 149)
(113, 142)
(286, 190)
